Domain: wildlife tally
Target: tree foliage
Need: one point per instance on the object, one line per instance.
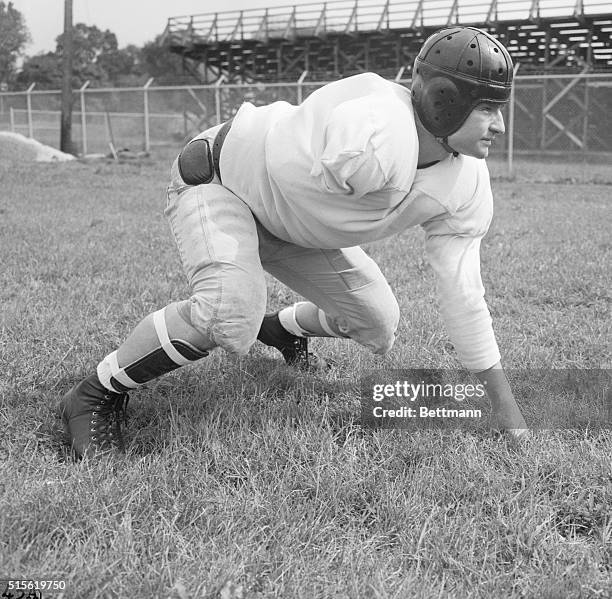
(14, 36)
(157, 61)
(43, 69)
(97, 58)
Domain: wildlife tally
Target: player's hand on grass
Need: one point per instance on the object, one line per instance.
(509, 422)
(506, 416)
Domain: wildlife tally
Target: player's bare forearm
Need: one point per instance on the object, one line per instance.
(505, 413)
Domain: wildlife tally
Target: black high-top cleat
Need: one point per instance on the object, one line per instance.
(92, 415)
(293, 348)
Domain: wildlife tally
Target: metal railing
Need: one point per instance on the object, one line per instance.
(348, 16)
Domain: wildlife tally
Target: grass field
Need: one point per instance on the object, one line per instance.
(245, 478)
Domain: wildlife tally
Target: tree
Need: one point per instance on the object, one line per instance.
(159, 62)
(43, 69)
(98, 59)
(123, 66)
(14, 36)
(89, 46)
(95, 58)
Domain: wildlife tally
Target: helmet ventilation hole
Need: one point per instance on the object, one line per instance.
(500, 70)
(495, 50)
(472, 45)
(470, 63)
(450, 37)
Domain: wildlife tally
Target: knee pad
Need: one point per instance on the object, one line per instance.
(236, 336)
(234, 327)
(170, 355)
(378, 333)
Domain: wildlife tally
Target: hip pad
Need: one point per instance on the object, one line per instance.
(195, 163)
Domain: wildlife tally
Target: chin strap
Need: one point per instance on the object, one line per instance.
(447, 148)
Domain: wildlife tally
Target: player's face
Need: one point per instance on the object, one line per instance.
(476, 135)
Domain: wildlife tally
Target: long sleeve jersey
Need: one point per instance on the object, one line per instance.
(340, 170)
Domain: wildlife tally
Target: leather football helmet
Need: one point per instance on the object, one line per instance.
(456, 69)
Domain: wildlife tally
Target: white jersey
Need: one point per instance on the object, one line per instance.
(340, 170)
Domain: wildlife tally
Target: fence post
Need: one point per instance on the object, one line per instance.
(12, 113)
(511, 108)
(147, 132)
(299, 86)
(29, 107)
(83, 117)
(218, 97)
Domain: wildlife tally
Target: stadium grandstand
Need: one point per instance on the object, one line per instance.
(343, 37)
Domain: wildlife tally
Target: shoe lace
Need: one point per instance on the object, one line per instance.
(296, 353)
(106, 420)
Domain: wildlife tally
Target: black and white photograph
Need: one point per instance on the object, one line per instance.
(306, 299)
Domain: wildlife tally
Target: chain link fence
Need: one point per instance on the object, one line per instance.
(563, 114)
(549, 115)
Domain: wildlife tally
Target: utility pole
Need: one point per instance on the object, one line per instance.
(66, 124)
